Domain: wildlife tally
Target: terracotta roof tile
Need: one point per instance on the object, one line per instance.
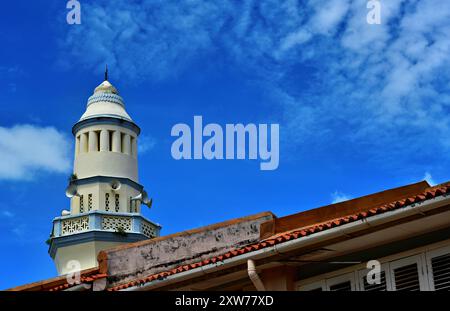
(83, 279)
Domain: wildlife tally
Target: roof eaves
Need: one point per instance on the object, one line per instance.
(430, 193)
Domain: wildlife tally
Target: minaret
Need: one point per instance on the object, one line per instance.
(104, 190)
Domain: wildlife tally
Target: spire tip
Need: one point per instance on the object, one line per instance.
(106, 72)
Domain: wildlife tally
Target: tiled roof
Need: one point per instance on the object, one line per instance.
(429, 193)
(60, 283)
(83, 280)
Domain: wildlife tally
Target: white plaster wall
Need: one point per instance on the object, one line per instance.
(92, 158)
(98, 191)
(84, 253)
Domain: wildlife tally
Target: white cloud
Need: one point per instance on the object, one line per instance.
(20, 230)
(328, 15)
(299, 37)
(429, 179)
(370, 85)
(27, 149)
(337, 197)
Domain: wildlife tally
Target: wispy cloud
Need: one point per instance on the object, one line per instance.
(337, 197)
(19, 230)
(6, 214)
(429, 179)
(27, 149)
(146, 143)
(370, 85)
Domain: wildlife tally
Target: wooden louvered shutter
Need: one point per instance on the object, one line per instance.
(345, 282)
(375, 287)
(407, 278)
(439, 269)
(408, 274)
(441, 272)
(341, 287)
(385, 280)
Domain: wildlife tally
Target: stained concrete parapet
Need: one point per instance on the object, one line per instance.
(140, 259)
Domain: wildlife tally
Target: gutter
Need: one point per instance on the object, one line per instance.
(78, 288)
(344, 230)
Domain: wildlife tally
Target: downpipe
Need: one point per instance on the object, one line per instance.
(254, 277)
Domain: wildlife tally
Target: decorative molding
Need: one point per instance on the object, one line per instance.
(149, 229)
(74, 225)
(106, 97)
(107, 179)
(101, 226)
(113, 223)
(105, 119)
(89, 236)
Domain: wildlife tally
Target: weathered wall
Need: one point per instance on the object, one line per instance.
(152, 256)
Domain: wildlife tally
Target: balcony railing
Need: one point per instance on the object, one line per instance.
(104, 221)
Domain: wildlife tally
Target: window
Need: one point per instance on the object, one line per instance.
(81, 204)
(425, 270)
(438, 263)
(90, 201)
(117, 201)
(97, 133)
(384, 285)
(345, 282)
(110, 137)
(122, 142)
(441, 272)
(376, 287)
(407, 278)
(342, 283)
(407, 274)
(107, 202)
(133, 205)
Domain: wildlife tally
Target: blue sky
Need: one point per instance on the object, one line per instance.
(361, 107)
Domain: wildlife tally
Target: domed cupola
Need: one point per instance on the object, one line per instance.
(105, 102)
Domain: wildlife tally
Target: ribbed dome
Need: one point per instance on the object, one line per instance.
(105, 102)
(106, 87)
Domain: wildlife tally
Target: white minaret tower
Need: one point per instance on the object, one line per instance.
(104, 190)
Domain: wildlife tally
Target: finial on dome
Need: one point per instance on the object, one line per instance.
(106, 72)
(106, 87)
